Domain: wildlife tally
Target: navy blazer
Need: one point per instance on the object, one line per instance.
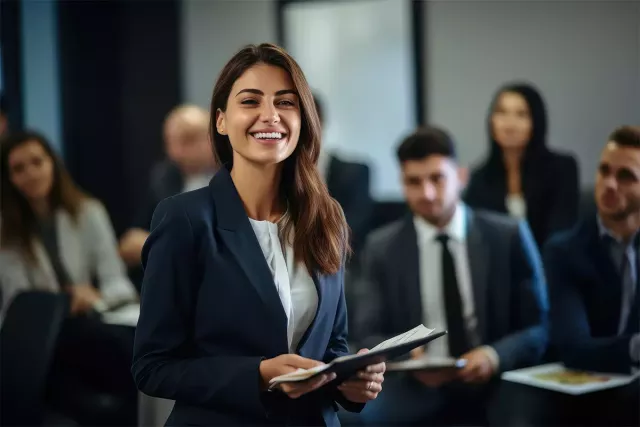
(585, 291)
(211, 313)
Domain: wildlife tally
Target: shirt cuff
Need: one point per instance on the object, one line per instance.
(492, 355)
(634, 348)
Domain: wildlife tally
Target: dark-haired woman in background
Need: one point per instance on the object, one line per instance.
(522, 176)
(53, 237)
(244, 279)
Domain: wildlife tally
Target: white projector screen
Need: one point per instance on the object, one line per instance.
(357, 56)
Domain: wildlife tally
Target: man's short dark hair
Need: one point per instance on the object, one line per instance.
(319, 109)
(626, 136)
(425, 142)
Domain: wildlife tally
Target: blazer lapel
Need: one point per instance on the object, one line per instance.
(237, 234)
(479, 265)
(320, 281)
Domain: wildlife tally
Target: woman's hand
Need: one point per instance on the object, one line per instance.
(286, 364)
(366, 384)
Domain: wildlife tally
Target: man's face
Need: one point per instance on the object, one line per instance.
(188, 146)
(432, 187)
(618, 182)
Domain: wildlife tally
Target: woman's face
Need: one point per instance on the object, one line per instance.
(31, 170)
(263, 116)
(511, 121)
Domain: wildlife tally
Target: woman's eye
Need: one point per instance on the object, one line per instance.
(287, 103)
(249, 102)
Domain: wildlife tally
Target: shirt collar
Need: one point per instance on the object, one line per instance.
(603, 232)
(456, 229)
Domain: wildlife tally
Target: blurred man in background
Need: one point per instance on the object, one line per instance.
(189, 166)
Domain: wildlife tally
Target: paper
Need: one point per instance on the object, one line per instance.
(303, 374)
(426, 363)
(416, 333)
(555, 376)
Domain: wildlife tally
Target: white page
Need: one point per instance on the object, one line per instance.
(416, 333)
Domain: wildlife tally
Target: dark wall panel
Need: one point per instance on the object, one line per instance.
(119, 77)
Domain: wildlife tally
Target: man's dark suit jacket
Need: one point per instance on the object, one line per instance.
(585, 291)
(507, 278)
(165, 180)
(349, 184)
(210, 313)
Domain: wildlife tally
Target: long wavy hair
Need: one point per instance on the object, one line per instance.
(321, 238)
(18, 219)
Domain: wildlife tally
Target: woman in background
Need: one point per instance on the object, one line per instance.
(522, 176)
(55, 238)
(244, 279)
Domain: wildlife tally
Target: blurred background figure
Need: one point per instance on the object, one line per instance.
(349, 184)
(522, 176)
(54, 237)
(189, 166)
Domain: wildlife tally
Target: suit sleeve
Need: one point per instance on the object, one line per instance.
(529, 305)
(358, 206)
(370, 314)
(570, 329)
(338, 346)
(164, 362)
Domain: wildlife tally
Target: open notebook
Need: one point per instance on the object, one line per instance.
(346, 366)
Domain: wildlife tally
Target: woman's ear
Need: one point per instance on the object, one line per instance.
(220, 122)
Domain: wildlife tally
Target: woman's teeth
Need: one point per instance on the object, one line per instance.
(268, 135)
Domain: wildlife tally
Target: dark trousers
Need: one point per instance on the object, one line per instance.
(91, 378)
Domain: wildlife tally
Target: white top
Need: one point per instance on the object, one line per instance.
(431, 281)
(516, 205)
(295, 285)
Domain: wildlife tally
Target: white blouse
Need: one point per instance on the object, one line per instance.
(295, 285)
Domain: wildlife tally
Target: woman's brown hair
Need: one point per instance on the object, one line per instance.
(18, 219)
(321, 238)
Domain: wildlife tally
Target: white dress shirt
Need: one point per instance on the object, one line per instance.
(516, 205)
(431, 280)
(197, 181)
(295, 285)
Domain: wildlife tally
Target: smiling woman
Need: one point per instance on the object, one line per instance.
(244, 280)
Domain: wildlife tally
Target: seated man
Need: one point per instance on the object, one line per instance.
(593, 268)
(190, 165)
(476, 274)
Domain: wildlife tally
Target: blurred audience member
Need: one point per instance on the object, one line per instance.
(54, 237)
(189, 166)
(476, 274)
(522, 176)
(4, 118)
(593, 268)
(348, 183)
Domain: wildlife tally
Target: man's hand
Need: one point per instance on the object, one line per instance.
(480, 367)
(131, 246)
(83, 298)
(430, 379)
